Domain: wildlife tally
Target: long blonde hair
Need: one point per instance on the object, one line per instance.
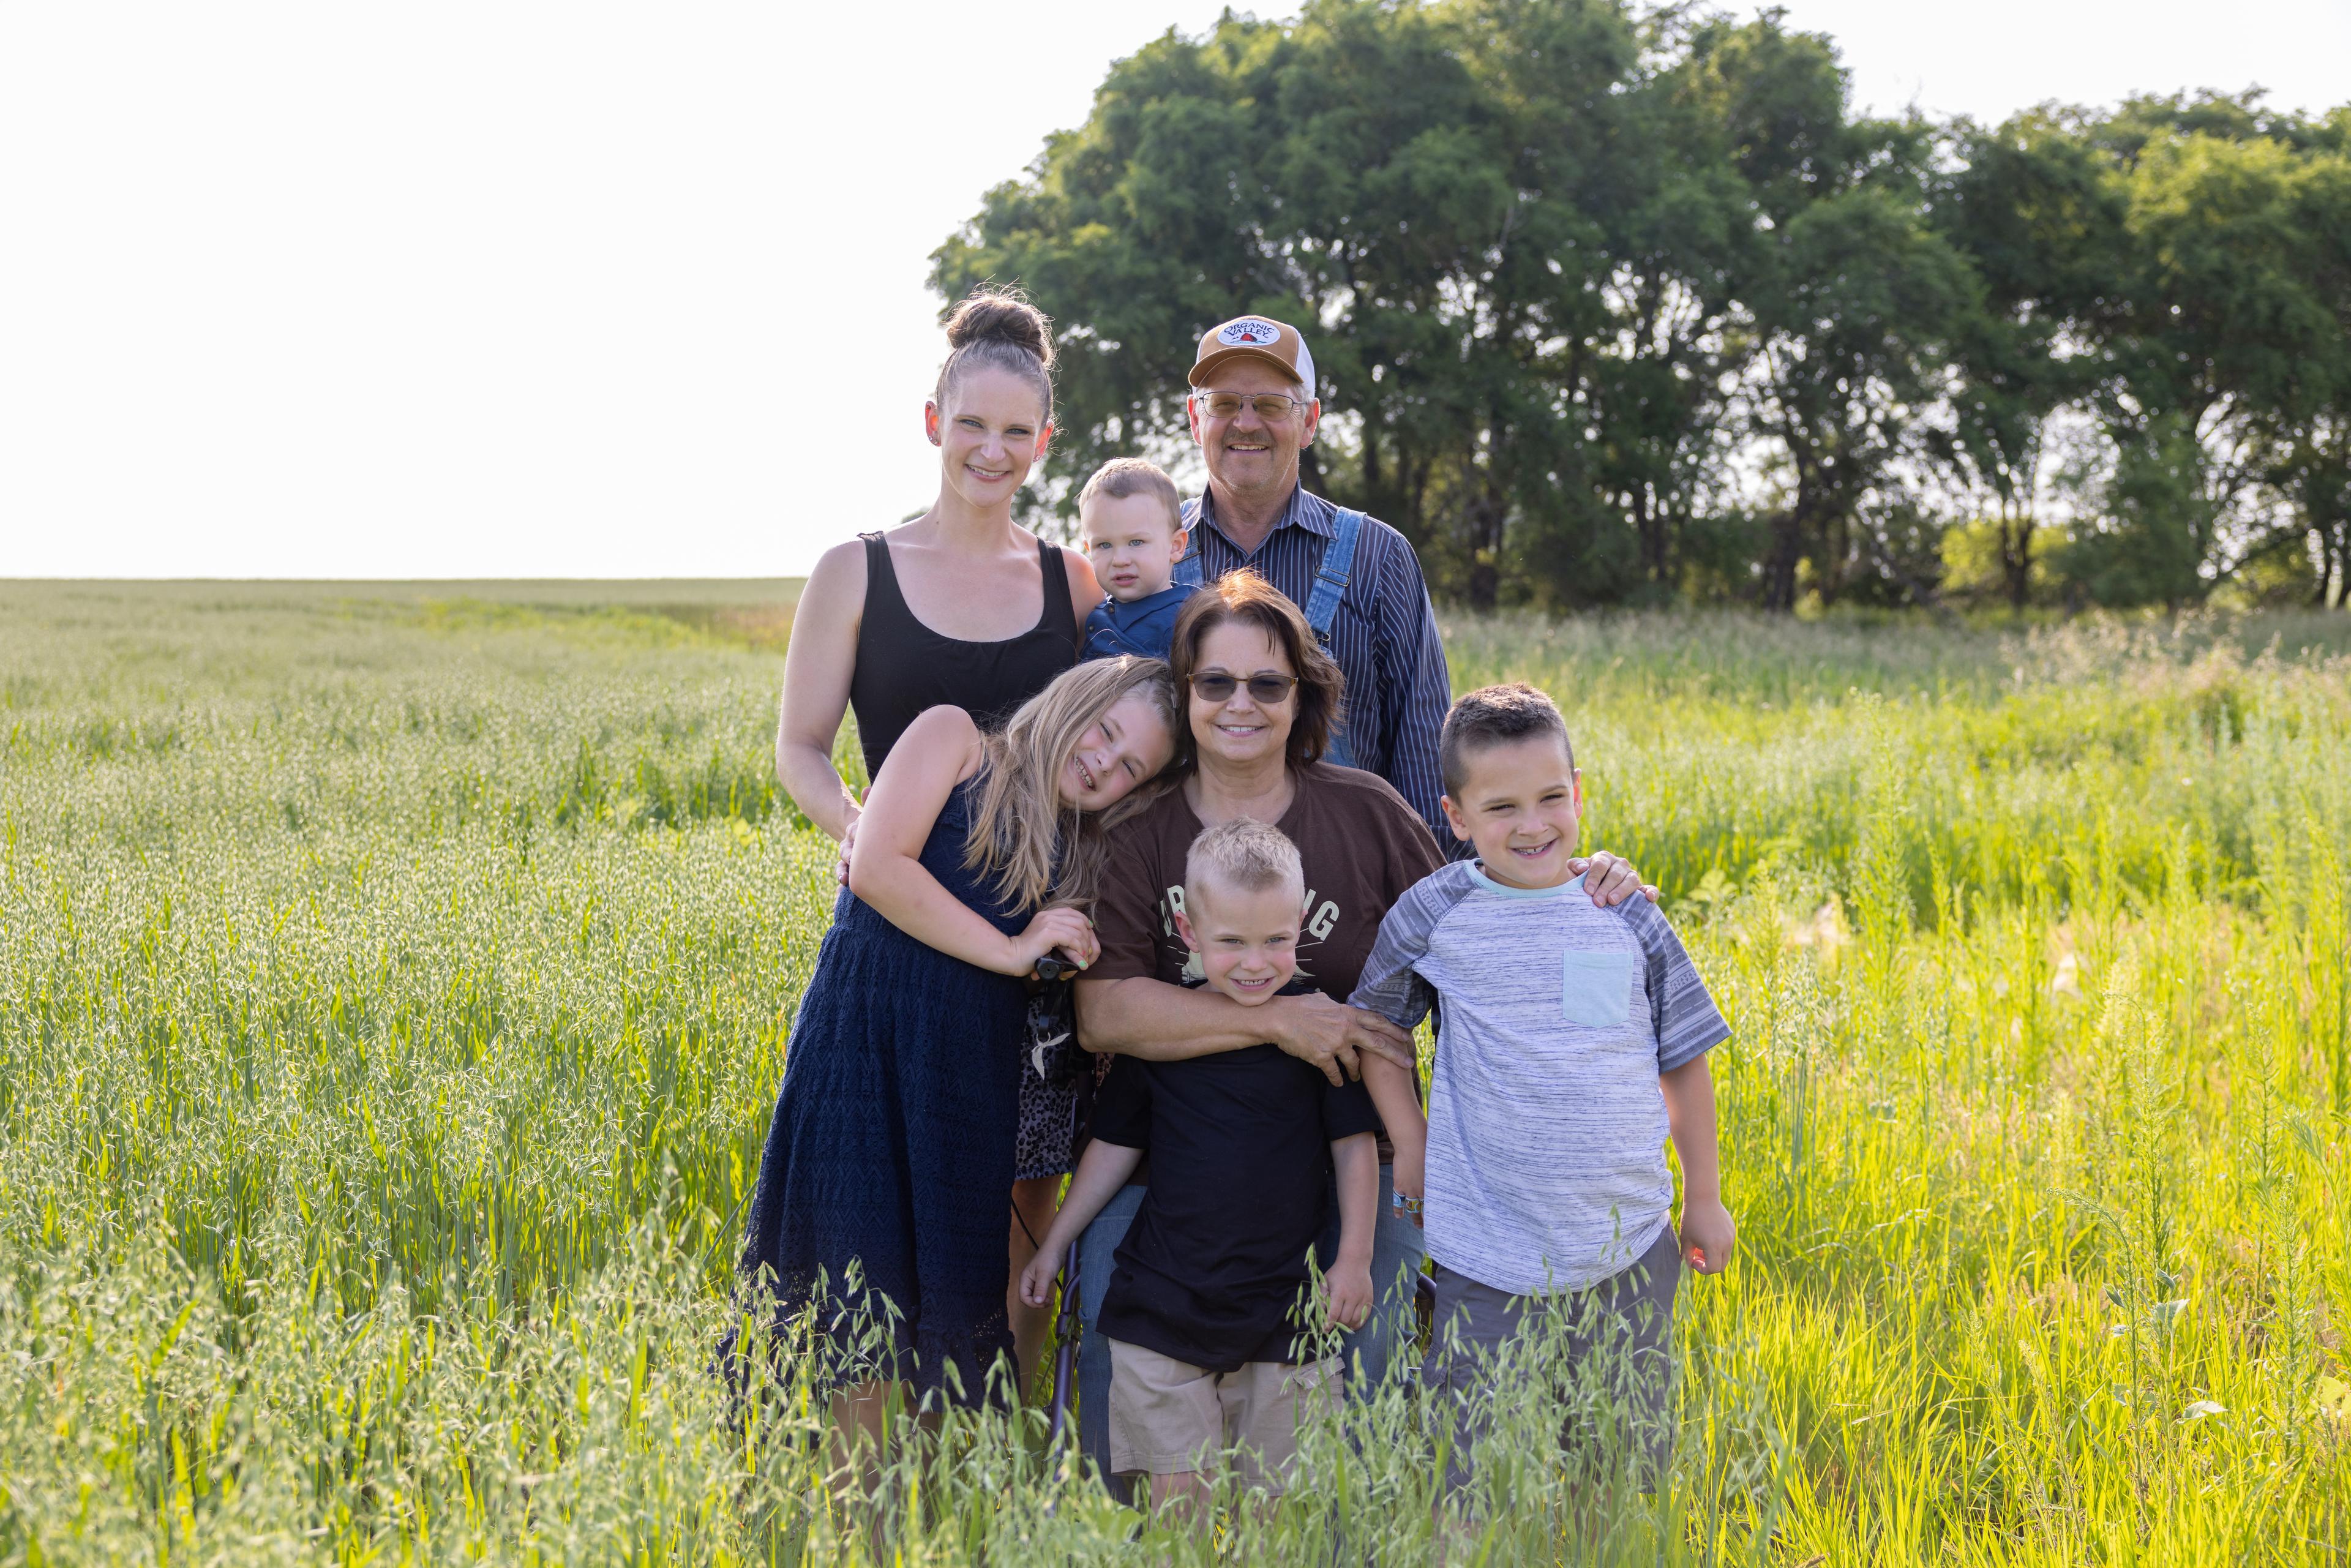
(1035, 847)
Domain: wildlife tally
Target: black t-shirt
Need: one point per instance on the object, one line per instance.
(1240, 1187)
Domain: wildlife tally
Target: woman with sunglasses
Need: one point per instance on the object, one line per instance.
(1261, 700)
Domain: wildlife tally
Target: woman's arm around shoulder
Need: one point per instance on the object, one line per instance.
(818, 663)
(1140, 1015)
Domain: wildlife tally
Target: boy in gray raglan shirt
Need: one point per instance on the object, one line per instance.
(1571, 1042)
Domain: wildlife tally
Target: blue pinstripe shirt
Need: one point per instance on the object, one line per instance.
(1385, 637)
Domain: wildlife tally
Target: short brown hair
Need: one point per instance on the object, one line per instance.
(1495, 715)
(1245, 596)
(1245, 855)
(1124, 476)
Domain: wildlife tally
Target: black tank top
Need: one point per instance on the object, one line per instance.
(903, 666)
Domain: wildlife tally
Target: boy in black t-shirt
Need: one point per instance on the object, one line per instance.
(1203, 1351)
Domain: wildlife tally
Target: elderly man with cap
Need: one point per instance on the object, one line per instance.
(1253, 409)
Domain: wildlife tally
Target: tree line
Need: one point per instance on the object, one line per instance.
(1624, 307)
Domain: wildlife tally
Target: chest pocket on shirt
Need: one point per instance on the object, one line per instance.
(1597, 988)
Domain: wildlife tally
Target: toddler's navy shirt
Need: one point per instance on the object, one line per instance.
(1145, 627)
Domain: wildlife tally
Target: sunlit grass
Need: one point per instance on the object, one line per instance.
(393, 988)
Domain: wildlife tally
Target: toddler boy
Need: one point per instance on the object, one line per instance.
(1205, 1354)
(1571, 1042)
(1133, 526)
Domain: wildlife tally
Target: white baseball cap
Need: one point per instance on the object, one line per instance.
(1277, 343)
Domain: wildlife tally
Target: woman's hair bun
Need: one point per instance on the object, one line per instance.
(1001, 316)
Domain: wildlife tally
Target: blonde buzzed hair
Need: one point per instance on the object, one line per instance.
(1246, 856)
(1124, 476)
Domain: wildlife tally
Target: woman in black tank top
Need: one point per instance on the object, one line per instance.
(857, 643)
(903, 666)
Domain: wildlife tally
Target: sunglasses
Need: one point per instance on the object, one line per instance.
(1265, 689)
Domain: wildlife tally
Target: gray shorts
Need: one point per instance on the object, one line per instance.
(1605, 1354)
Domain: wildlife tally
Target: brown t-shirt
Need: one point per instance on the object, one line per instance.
(1361, 846)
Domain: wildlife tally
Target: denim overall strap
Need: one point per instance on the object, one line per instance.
(1187, 570)
(1323, 604)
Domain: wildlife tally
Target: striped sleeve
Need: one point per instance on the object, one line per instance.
(1391, 984)
(1688, 1022)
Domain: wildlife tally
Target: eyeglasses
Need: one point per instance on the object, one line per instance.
(1269, 406)
(1220, 687)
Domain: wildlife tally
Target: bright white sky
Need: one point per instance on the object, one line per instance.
(506, 289)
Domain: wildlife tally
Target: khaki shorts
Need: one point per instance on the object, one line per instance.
(1168, 1417)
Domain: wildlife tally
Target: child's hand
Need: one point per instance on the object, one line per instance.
(1060, 927)
(1707, 1236)
(1347, 1293)
(1037, 1280)
(1411, 1174)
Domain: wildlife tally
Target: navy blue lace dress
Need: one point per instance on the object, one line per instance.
(892, 1145)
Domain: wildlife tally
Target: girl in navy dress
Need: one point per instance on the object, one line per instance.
(893, 1142)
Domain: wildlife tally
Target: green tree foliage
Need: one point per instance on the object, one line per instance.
(2030, 207)
(1614, 307)
(2209, 336)
(1848, 295)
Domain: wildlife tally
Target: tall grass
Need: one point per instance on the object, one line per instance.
(393, 988)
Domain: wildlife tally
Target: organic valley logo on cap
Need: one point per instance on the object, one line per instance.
(1251, 333)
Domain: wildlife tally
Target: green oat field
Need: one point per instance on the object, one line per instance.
(395, 982)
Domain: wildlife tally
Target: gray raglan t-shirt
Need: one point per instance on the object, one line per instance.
(1546, 1124)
